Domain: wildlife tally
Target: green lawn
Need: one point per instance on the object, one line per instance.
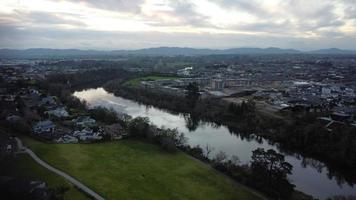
(23, 166)
(135, 82)
(132, 169)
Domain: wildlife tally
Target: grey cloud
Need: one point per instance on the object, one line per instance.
(186, 11)
(350, 12)
(19, 30)
(291, 17)
(323, 16)
(186, 14)
(251, 6)
(130, 6)
(47, 18)
(12, 37)
(266, 26)
(331, 34)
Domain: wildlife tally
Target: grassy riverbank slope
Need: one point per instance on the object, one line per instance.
(132, 169)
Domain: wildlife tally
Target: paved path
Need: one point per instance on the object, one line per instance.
(64, 175)
(20, 147)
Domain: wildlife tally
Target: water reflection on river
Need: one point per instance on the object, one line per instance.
(309, 176)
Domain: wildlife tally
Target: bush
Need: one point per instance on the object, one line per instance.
(138, 127)
(104, 115)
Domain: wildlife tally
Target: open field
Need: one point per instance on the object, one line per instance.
(136, 81)
(132, 169)
(23, 166)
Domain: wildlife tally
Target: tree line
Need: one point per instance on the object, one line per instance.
(301, 133)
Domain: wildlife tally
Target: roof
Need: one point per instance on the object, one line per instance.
(47, 123)
(84, 118)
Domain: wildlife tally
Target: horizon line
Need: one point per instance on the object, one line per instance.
(196, 48)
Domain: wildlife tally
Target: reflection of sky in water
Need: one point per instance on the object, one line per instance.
(307, 179)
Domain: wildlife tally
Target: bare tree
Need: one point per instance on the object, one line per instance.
(235, 160)
(208, 150)
(220, 157)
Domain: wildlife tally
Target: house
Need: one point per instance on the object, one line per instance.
(67, 139)
(13, 118)
(185, 72)
(84, 121)
(87, 135)
(9, 148)
(217, 84)
(47, 101)
(85, 131)
(34, 92)
(44, 127)
(58, 112)
(88, 138)
(344, 114)
(114, 131)
(9, 98)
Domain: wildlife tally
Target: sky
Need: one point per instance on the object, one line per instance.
(135, 24)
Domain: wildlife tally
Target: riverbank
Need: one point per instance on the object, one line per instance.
(133, 169)
(193, 123)
(301, 133)
(219, 139)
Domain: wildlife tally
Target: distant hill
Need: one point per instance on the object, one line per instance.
(170, 51)
(332, 51)
(45, 53)
(164, 51)
(270, 50)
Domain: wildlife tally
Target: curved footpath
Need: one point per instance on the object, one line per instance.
(81, 186)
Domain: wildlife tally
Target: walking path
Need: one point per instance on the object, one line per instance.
(23, 149)
(60, 173)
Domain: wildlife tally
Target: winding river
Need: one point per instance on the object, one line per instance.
(309, 176)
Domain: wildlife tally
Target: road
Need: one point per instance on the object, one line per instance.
(81, 186)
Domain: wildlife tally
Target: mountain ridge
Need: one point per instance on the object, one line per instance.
(163, 51)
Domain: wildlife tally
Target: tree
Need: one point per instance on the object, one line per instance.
(191, 122)
(220, 157)
(235, 160)
(139, 126)
(242, 108)
(171, 138)
(192, 92)
(167, 143)
(270, 170)
(108, 116)
(208, 150)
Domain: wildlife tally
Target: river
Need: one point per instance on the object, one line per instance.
(309, 176)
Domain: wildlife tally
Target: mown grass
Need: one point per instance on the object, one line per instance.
(23, 166)
(136, 81)
(133, 169)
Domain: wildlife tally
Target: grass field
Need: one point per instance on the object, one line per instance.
(135, 82)
(22, 166)
(132, 169)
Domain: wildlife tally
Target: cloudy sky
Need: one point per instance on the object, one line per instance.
(133, 24)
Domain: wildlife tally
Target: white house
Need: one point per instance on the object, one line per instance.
(58, 112)
(84, 121)
(44, 127)
(67, 139)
